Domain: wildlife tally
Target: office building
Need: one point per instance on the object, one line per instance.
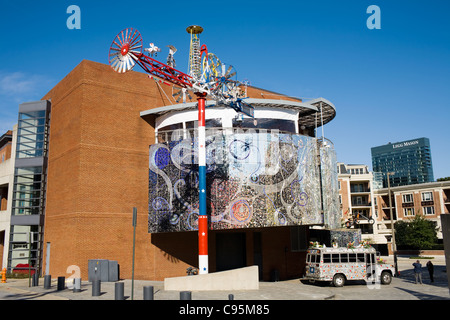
(410, 161)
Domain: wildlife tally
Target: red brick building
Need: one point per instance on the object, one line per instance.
(98, 169)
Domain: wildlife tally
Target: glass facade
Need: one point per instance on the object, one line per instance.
(28, 203)
(409, 160)
(31, 134)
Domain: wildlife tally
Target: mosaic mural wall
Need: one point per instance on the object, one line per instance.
(254, 179)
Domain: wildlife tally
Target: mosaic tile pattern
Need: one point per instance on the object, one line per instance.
(254, 180)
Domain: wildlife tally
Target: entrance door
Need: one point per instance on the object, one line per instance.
(230, 251)
(371, 264)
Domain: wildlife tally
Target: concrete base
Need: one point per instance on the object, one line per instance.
(237, 279)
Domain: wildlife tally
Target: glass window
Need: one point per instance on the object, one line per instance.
(408, 198)
(352, 257)
(33, 114)
(360, 257)
(428, 210)
(344, 257)
(335, 257)
(408, 212)
(213, 123)
(263, 123)
(326, 258)
(427, 196)
(171, 127)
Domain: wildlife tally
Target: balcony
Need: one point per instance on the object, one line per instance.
(361, 204)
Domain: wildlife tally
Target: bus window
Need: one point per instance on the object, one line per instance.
(308, 258)
(326, 258)
(335, 258)
(344, 257)
(352, 257)
(360, 257)
(318, 258)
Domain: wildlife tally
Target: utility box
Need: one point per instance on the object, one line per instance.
(103, 270)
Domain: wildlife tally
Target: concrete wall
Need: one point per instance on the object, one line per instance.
(238, 279)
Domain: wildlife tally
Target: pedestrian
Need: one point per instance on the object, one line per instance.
(430, 268)
(418, 271)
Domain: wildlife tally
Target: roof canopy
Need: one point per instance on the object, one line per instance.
(309, 112)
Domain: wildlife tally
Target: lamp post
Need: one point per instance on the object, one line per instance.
(394, 246)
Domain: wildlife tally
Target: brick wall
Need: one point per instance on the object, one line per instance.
(98, 171)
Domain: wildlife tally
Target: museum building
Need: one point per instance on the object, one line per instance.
(101, 143)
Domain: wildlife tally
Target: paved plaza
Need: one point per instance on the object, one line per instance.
(401, 288)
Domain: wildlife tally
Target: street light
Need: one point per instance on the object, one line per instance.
(394, 246)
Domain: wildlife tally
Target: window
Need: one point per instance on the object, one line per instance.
(326, 258)
(360, 257)
(335, 258)
(408, 212)
(344, 257)
(408, 198)
(352, 257)
(427, 196)
(428, 210)
(31, 134)
(265, 123)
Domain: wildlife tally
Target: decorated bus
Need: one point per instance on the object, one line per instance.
(339, 264)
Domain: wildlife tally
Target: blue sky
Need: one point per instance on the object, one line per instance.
(388, 85)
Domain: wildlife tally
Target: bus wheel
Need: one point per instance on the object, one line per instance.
(339, 280)
(386, 277)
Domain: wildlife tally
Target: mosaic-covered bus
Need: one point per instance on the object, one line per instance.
(337, 265)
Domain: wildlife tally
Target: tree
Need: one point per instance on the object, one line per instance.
(444, 179)
(417, 233)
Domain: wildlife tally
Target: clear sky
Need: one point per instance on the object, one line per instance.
(388, 85)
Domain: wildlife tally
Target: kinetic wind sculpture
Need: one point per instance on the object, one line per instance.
(208, 77)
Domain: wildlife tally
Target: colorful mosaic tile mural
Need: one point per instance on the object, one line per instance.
(254, 179)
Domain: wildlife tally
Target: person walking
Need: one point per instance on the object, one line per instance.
(418, 271)
(430, 268)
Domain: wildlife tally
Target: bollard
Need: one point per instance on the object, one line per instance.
(77, 285)
(230, 297)
(96, 285)
(47, 281)
(119, 291)
(35, 280)
(61, 283)
(185, 295)
(148, 293)
(4, 275)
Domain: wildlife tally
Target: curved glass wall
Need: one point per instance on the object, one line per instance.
(255, 178)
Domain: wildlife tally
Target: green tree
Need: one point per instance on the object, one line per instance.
(417, 233)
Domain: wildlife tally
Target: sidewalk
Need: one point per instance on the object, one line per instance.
(402, 288)
(283, 290)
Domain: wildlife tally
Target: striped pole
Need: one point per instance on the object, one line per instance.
(202, 216)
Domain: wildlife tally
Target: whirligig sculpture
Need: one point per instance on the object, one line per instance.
(207, 77)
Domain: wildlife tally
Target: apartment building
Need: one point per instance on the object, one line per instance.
(427, 199)
(7, 151)
(364, 205)
(356, 197)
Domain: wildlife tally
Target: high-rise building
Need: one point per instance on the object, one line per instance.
(410, 161)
